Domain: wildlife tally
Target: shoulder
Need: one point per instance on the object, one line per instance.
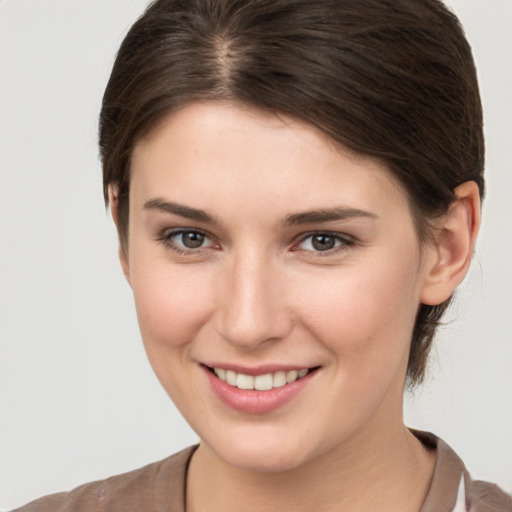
(487, 497)
(146, 488)
(453, 490)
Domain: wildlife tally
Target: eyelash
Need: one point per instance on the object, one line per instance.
(344, 242)
(166, 238)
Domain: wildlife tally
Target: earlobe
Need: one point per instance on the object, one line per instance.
(455, 239)
(113, 204)
(114, 210)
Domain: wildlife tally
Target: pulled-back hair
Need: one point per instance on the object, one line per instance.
(393, 79)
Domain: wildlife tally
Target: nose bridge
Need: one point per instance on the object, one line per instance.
(253, 307)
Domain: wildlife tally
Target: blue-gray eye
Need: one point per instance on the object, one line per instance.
(322, 242)
(190, 239)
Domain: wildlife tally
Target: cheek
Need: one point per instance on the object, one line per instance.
(364, 315)
(172, 303)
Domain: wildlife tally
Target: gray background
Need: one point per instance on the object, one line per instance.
(78, 400)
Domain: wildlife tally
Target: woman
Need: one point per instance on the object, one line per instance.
(296, 187)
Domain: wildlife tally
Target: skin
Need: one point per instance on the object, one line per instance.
(259, 292)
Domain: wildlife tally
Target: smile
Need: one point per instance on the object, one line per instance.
(264, 382)
(267, 389)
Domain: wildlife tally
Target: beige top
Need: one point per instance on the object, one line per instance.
(160, 487)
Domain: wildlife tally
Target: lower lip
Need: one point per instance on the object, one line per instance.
(253, 401)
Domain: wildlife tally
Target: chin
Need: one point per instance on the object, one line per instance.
(257, 460)
(262, 452)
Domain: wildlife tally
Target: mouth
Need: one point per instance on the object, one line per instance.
(262, 382)
(258, 390)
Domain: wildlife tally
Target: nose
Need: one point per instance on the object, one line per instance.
(253, 309)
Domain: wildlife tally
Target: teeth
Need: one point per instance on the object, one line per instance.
(221, 373)
(263, 382)
(244, 381)
(292, 376)
(260, 382)
(231, 377)
(279, 379)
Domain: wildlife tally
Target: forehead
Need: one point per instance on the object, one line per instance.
(218, 154)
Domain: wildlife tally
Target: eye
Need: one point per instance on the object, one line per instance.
(324, 242)
(190, 239)
(183, 240)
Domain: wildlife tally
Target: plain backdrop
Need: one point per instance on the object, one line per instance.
(78, 400)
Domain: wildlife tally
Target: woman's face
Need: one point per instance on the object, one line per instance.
(257, 249)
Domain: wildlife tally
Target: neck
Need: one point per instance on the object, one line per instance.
(384, 471)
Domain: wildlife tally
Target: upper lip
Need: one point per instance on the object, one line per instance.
(258, 370)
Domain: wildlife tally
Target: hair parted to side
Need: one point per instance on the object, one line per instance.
(393, 79)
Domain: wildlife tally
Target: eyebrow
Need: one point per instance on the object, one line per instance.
(295, 219)
(183, 211)
(325, 215)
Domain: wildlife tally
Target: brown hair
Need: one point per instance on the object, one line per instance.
(394, 79)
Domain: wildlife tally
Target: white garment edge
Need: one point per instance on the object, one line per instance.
(460, 505)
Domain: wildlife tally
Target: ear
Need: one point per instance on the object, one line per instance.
(113, 202)
(450, 255)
